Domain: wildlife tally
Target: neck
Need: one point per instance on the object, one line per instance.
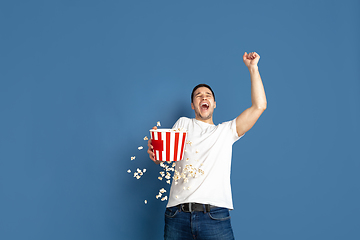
(209, 121)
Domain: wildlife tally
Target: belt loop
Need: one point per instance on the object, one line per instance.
(207, 206)
(190, 210)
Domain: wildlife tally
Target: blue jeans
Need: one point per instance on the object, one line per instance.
(181, 225)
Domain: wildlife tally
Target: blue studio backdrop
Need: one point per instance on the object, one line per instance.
(82, 82)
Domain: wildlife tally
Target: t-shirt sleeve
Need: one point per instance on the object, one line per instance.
(233, 130)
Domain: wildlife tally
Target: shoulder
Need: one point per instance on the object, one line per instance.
(227, 123)
(181, 122)
(230, 127)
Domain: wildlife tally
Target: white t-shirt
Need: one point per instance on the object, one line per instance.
(208, 148)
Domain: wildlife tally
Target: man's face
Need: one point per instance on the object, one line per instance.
(203, 104)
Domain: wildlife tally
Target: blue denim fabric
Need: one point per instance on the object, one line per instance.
(181, 225)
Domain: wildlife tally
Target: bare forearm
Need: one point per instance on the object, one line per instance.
(258, 97)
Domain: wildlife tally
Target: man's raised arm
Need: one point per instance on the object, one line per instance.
(246, 120)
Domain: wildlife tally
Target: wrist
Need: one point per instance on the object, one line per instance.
(253, 68)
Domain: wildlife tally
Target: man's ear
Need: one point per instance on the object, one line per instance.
(214, 104)
(192, 106)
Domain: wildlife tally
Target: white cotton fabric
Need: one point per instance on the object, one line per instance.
(211, 151)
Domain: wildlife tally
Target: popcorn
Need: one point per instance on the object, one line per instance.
(168, 181)
(164, 198)
(144, 170)
(197, 151)
(146, 138)
(129, 171)
(145, 201)
(162, 190)
(140, 147)
(132, 158)
(160, 178)
(158, 124)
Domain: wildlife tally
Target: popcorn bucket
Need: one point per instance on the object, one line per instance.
(169, 144)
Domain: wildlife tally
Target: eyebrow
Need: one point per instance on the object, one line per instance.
(208, 93)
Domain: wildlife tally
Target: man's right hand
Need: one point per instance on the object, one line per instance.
(150, 150)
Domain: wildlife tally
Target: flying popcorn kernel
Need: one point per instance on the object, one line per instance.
(176, 196)
(129, 171)
(146, 138)
(158, 124)
(132, 158)
(164, 198)
(197, 151)
(162, 190)
(145, 201)
(137, 177)
(144, 170)
(140, 147)
(168, 181)
(160, 178)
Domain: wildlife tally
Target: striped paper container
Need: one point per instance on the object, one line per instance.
(169, 144)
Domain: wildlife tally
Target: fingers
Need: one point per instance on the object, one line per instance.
(245, 56)
(250, 56)
(150, 150)
(151, 153)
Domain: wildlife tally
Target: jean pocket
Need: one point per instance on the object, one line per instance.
(220, 214)
(171, 212)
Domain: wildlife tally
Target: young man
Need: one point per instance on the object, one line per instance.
(199, 202)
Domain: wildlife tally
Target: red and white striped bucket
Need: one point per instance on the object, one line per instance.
(169, 144)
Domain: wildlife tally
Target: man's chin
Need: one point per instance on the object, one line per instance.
(205, 117)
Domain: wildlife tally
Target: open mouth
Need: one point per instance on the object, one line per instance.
(204, 106)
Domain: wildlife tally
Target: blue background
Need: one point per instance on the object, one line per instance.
(82, 82)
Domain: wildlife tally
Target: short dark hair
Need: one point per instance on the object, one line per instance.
(201, 85)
